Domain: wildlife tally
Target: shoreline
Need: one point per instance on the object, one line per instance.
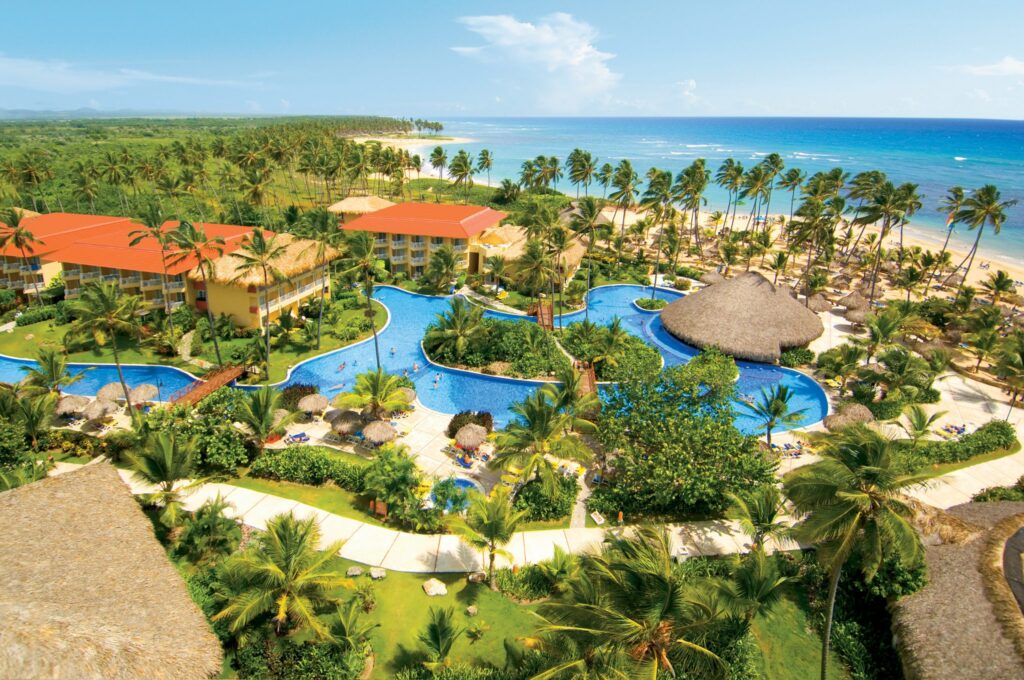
(411, 143)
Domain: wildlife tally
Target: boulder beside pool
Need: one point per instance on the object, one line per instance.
(434, 588)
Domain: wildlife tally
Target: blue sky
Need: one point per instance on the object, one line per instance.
(452, 58)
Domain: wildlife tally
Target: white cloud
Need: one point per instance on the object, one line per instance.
(60, 76)
(557, 52)
(1007, 66)
(688, 89)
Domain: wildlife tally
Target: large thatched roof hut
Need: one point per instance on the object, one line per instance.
(299, 256)
(746, 317)
(359, 205)
(966, 622)
(86, 591)
(849, 414)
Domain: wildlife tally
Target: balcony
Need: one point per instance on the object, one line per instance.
(397, 258)
(176, 303)
(418, 260)
(460, 248)
(131, 280)
(151, 284)
(110, 278)
(154, 302)
(90, 276)
(72, 292)
(72, 274)
(176, 286)
(289, 297)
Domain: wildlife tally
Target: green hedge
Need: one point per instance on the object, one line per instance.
(651, 304)
(309, 465)
(995, 435)
(1002, 493)
(798, 356)
(36, 314)
(541, 506)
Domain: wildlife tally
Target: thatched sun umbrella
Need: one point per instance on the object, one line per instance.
(111, 392)
(746, 317)
(848, 415)
(347, 422)
(818, 303)
(100, 408)
(854, 301)
(313, 403)
(70, 404)
(279, 415)
(410, 394)
(143, 393)
(471, 436)
(711, 278)
(857, 316)
(841, 281)
(379, 432)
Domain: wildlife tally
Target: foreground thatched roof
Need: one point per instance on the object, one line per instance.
(951, 628)
(379, 432)
(299, 256)
(86, 591)
(471, 436)
(313, 403)
(746, 317)
(359, 205)
(712, 277)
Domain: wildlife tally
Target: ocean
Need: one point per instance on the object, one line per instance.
(934, 153)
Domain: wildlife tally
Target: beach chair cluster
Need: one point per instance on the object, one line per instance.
(297, 438)
(953, 431)
(834, 383)
(788, 450)
(465, 458)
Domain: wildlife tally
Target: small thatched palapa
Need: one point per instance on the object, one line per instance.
(346, 422)
(313, 403)
(379, 432)
(111, 392)
(144, 392)
(817, 303)
(100, 408)
(359, 205)
(848, 415)
(71, 403)
(410, 394)
(86, 590)
(854, 301)
(471, 436)
(746, 317)
(711, 278)
(857, 316)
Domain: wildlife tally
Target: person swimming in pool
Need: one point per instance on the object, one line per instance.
(393, 351)
(341, 367)
(415, 367)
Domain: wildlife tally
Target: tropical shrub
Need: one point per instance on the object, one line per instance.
(36, 314)
(264, 658)
(526, 583)
(798, 356)
(221, 447)
(1002, 493)
(689, 272)
(463, 418)
(13, 444)
(449, 496)
(683, 283)
(542, 506)
(994, 435)
(291, 395)
(651, 304)
(308, 465)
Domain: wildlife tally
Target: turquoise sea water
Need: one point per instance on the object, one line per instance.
(933, 153)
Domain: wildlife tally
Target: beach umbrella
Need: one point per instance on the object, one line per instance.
(279, 415)
(313, 403)
(332, 414)
(347, 422)
(471, 436)
(71, 403)
(817, 303)
(379, 432)
(854, 301)
(848, 415)
(857, 316)
(100, 408)
(410, 394)
(144, 392)
(111, 392)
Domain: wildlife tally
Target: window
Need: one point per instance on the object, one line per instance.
(200, 296)
(437, 240)
(417, 239)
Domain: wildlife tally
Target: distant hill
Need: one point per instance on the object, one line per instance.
(87, 113)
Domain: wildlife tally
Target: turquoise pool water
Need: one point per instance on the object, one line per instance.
(449, 390)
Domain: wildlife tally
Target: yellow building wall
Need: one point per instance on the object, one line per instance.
(233, 301)
(400, 256)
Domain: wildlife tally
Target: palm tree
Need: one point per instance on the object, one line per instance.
(918, 424)
(534, 269)
(152, 221)
(755, 586)
(759, 513)
(568, 397)
(982, 344)
(852, 500)
(14, 234)
(35, 415)
(193, 246)
(842, 362)
(51, 372)
(983, 207)
(260, 254)
(456, 330)
(443, 267)
(778, 265)
(208, 534)
(489, 524)
(103, 313)
(791, 181)
(495, 266)
(438, 161)
(484, 163)
(260, 413)
(539, 430)
(377, 390)
(362, 261)
(440, 636)
(164, 461)
(626, 183)
(322, 229)
(998, 284)
(348, 631)
(284, 576)
(461, 171)
(886, 206)
(951, 205)
(584, 222)
(772, 409)
(632, 614)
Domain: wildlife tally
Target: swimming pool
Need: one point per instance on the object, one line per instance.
(449, 390)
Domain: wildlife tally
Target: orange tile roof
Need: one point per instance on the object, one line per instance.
(428, 219)
(111, 249)
(57, 230)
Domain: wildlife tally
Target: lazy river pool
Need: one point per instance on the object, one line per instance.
(450, 390)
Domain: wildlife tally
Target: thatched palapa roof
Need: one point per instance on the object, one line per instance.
(471, 436)
(359, 205)
(346, 422)
(111, 392)
(712, 277)
(849, 414)
(857, 316)
(854, 301)
(313, 403)
(299, 256)
(746, 317)
(71, 403)
(379, 432)
(100, 408)
(817, 303)
(144, 392)
(86, 591)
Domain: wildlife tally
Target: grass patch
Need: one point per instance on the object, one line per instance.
(402, 612)
(789, 645)
(329, 498)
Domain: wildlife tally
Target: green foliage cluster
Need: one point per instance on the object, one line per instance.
(309, 465)
(1002, 493)
(689, 273)
(679, 451)
(992, 436)
(539, 505)
(529, 351)
(291, 395)
(266, 659)
(221, 446)
(463, 418)
(36, 314)
(527, 583)
(616, 354)
(13, 445)
(798, 356)
(651, 304)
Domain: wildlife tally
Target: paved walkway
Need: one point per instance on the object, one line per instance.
(488, 302)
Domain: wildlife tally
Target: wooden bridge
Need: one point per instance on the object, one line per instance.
(190, 395)
(588, 379)
(545, 313)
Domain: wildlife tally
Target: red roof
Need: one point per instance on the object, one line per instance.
(57, 230)
(428, 219)
(111, 249)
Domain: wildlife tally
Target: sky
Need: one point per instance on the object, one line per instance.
(449, 58)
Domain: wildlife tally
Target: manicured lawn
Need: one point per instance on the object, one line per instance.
(329, 498)
(791, 648)
(403, 610)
